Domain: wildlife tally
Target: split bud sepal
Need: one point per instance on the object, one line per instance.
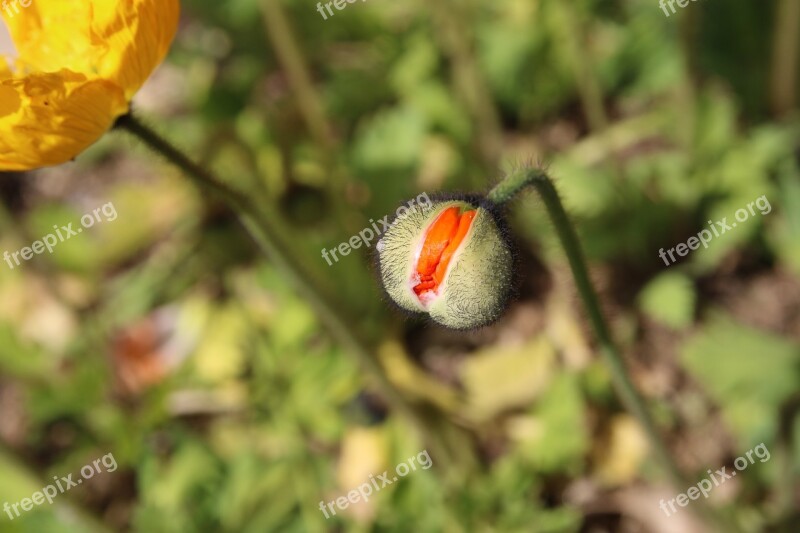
(450, 259)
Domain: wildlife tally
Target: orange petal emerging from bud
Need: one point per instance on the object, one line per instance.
(442, 240)
(450, 260)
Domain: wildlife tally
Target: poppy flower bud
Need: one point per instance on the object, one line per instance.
(448, 259)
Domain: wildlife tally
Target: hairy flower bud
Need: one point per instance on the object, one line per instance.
(449, 259)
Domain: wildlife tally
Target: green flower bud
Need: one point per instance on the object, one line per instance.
(448, 259)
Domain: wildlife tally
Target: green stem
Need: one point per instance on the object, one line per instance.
(631, 398)
(537, 178)
(573, 29)
(250, 218)
(291, 58)
(783, 82)
(454, 20)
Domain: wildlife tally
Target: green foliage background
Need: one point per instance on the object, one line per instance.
(237, 410)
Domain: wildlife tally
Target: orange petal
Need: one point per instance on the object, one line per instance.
(442, 240)
(436, 240)
(464, 223)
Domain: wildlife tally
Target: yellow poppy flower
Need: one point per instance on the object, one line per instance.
(78, 66)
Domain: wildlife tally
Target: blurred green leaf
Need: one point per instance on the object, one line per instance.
(670, 299)
(748, 373)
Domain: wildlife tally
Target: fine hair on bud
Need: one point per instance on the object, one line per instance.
(451, 259)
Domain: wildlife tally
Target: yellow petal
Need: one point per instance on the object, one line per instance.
(120, 40)
(48, 119)
(5, 71)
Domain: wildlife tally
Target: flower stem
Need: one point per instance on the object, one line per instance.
(290, 56)
(250, 218)
(633, 401)
(537, 178)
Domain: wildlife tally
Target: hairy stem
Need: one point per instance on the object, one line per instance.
(250, 218)
(537, 178)
(634, 402)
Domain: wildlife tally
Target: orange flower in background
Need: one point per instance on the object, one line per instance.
(78, 66)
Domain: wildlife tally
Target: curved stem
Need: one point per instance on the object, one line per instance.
(631, 398)
(250, 218)
(537, 178)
